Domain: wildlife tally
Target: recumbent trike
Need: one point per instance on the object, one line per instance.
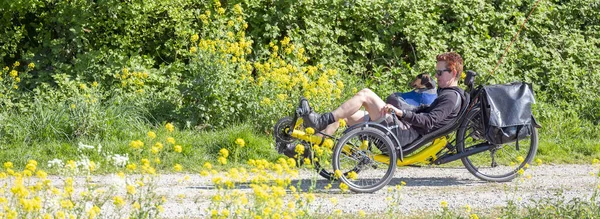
(495, 137)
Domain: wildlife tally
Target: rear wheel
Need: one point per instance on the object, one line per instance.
(286, 144)
(502, 162)
(355, 156)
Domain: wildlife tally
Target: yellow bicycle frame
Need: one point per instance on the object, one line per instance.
(426, 156)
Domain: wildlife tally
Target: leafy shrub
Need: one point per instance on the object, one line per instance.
(321, 45)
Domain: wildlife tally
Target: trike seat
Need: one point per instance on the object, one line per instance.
(443, 131)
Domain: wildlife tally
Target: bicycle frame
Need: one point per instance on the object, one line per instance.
(425, 156)
(429, 155)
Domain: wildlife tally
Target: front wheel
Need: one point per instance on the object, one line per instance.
(502, 162)
(286, 144)
(364, 159)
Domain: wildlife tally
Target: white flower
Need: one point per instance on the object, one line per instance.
(55, 163)
(120, 160)
(82, 146)
(84, 163)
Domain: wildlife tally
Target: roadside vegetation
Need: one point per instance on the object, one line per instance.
(84, 83)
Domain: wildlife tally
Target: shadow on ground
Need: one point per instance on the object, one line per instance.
(318, 185)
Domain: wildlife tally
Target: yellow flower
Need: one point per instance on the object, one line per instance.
(136, 205)
(444, 204)
(170, 140)
(337, 174)
(118, 201)
(265, 102)
(131, 166)
(222, 160)
(178, 148)
(521, 171)
(66, 204)
(342, 123)
(41, 174)
(92, 166)
(299, 149)
(520, 159)
(352, 175)
(595, 161)
(152, 135)
(468, 208)
(333, 200)
(93, 212)
(71, 164)
(221, 11)
(14, 73)
(31, 65)
(195, 37)
(361, 213)
(154, 150)
(193, 49)
(337, 212)
(170, 127)
(31, 165)
(16, 64)
(8, 165)
(82, 86)
(240, 142)
(292, 163)
(178, 167)
(224, 152)
(121, 174)
(136, 144)
(237, 9)
(473, 216)
(95, 84)
(5, 68)
(207, 165)
(343, 187)
(310, 131)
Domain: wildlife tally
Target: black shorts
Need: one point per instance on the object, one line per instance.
(405, 133)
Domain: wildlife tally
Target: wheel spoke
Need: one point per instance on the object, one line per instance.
(500, 165)
(362, 173)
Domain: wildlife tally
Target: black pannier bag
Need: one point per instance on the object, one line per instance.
(508, 112)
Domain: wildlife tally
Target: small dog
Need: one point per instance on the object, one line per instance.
(424, 93)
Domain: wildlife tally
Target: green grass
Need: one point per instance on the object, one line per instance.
(198, 147)
(53, 131)
(203, 146)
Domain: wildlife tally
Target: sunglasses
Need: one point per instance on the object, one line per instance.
(440, 72)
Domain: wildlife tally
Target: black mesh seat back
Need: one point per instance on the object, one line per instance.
(452, 126)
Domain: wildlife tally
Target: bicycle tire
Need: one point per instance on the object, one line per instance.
(347, 158)
(511, 161)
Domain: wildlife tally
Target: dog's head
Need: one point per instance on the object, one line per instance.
(423, 81)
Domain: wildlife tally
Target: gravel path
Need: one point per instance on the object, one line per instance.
(425, 188)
